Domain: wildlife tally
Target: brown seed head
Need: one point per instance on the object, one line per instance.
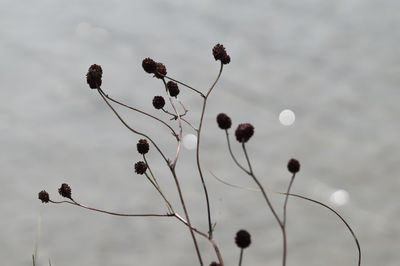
(44, 196)
(158, 102)
(244, 132)
(161, 71)
(243, 239)
(142, 146)
(224, 121)
(293, 166)
(172, 88)
(149, 65)
(65, 191)
(140, 167)
(93, 76)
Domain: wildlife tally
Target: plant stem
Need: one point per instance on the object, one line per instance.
(241, 257)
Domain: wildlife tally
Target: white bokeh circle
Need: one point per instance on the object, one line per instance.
(287, 117)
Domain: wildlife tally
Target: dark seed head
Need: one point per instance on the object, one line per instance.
(293, 166)
(93, 76)
(244, 132)
(160, 71)
(224, 121)
(65, 191)
(219, 52)
(149, 65)
(140, 167)
(243, 239)
(214, 264)
(158, 102)
(142, 146)
(172, 88)
(44, 196)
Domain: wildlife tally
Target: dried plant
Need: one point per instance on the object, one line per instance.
(243, 134)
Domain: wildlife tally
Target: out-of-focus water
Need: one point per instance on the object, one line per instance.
(334, 63)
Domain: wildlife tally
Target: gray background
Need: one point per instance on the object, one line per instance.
(334, 63)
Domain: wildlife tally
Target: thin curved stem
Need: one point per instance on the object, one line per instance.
(151, 172)
(269, 204)
(233, 156)
(184, 84)
(337, 214)
(311, 200)
(130, 128)
(210, 228)
(73, 202)
(139, 111)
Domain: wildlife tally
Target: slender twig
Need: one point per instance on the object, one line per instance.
(187, 86)
(159, 191)
(269, 204)
(241, 257)
(337, 214)
(130, 128)
(151, 172)
(284, 217)
(139, 111)
(233, 156)
(210, 228)
(311, 200)
(73, 202)
(173, 171)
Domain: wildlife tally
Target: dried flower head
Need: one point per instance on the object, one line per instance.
(149, 65)
(161, 71)
(158, 102)
(224, 121)
(215, 264)
(293, 166)
(93, 76)
(172, 88)
(244, 132)
(140, 167)
(142, 146)
(65, 191)
(44, 196)
(243, 239)
(219, 53)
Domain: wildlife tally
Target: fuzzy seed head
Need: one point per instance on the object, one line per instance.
(140, 167)
(142, 146)
(224, 121)
(293, 166)
(243, 239)
(244, 132)
(44, 196)
(149, 65)
(172, 88)
(65, 191)
(94, 75)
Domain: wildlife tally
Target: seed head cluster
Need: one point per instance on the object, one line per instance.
(65, 191)
(94, 75)
(219, 53)
(172, 88)
(142, 146)
(243, 239)
(153, 67)
(44, 196)
(224, 121)
(244, 132)
(293, 166)
(140, 167)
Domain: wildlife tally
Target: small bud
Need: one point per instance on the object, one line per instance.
(93, 77)
(172, 88)
(158, 102)
(293, 166)
(215, 264)
(219, 52)
(149, 65)
(65, 191)
(142, 146)
(244, 132)
(224, 121)
(161, 71)
(140, 167)
(243, 239)
(44, 196)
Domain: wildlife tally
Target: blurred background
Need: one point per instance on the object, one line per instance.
(335, 64)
